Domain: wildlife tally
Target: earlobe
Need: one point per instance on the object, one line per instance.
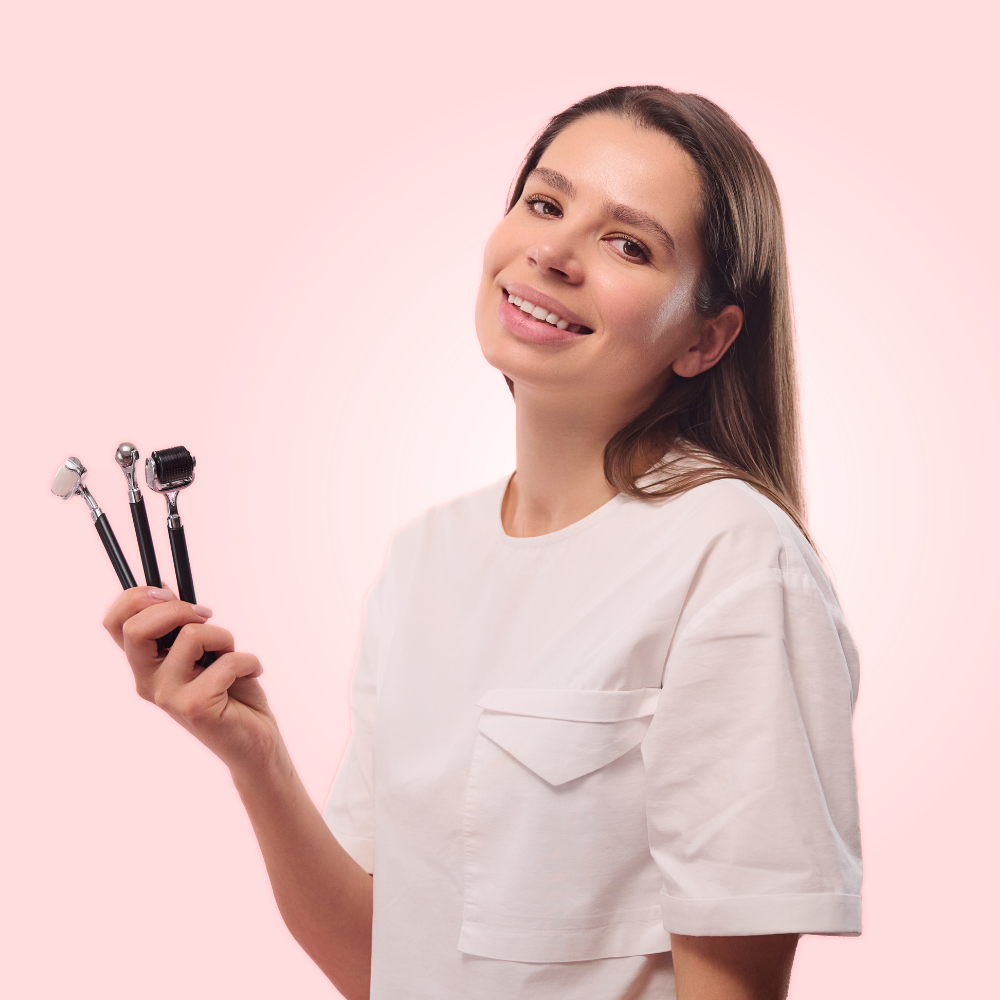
(689, 363)
(716, 337)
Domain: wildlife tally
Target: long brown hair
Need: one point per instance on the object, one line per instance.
(738, 419)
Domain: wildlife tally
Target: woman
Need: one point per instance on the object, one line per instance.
(602, 711)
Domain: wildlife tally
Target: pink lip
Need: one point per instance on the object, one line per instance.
(540, 299)
(525, 328)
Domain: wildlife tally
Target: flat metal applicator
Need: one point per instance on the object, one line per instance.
(168, 472)
(69, 482)
(126, 456)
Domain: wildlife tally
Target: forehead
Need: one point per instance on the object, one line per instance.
(609, 158)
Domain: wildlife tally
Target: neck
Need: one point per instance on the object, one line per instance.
(560, 463)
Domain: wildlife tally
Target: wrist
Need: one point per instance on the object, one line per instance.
(265, 777)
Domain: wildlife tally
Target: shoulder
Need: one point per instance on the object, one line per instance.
(733, 532)
(455, 522)
(754, 570)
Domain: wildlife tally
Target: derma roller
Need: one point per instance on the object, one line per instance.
(69, 482)
(168, 472)
(126, 456)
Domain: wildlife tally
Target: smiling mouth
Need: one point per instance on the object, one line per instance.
(542, 315)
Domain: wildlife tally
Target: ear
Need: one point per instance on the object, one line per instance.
(713, 341)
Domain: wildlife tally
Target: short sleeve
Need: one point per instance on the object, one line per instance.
(350, 807)
(751, 792)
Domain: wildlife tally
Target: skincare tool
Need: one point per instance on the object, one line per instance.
(69, 482)
(126, 456)
(168, 472)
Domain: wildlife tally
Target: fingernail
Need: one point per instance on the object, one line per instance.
(159, 594)
(200, 609)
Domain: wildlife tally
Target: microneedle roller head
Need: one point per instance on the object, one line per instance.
(170, 469)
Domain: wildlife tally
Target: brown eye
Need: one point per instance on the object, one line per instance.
(629, 248)
(544, 207)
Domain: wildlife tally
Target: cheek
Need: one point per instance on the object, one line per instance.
(495, 257)
(501, 248)
(649, 319)
(490, 270)
(675, 311)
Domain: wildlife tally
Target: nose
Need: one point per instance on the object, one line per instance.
(554, 256)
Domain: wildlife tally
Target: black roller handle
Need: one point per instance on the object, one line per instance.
(185, 586)
(147, 553)
(115, 554)
(182, 564)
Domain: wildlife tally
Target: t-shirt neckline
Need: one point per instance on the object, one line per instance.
(535, 541)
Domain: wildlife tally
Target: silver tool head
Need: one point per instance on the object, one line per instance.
(127, 455)
(170, 469)
(68, 482)
(68, 479)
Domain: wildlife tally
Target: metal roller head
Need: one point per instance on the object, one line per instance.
(127, 455)
(68, 480)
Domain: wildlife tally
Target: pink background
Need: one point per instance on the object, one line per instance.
(255, 229)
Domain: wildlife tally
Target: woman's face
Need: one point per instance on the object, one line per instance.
(603, 243)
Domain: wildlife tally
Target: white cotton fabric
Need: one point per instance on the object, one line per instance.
(566, 747)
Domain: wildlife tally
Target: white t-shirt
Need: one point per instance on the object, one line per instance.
(566, 747)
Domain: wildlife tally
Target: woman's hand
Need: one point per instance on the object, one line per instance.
(223, 704)
(324, 896)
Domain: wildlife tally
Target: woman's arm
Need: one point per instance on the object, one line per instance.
(324, 896)
(733, 968)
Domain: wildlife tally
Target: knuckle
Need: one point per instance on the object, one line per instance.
(189, 708)
(162, 697)
(196, 713)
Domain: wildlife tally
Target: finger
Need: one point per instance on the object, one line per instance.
(250, 692)
(141, 631)
(130, 603)
(192, 642)
(219, 677)
(205, 693)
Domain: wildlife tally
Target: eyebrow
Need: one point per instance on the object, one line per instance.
(555, 179)
(633, 217)
(623, 213)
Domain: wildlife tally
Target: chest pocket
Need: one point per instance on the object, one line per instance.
(557, 862)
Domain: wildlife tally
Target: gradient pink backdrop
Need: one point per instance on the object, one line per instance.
(256, 228)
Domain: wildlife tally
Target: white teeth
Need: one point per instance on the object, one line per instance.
(540, 312)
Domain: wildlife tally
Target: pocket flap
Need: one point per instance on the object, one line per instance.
(577, 706)
(562, 735)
